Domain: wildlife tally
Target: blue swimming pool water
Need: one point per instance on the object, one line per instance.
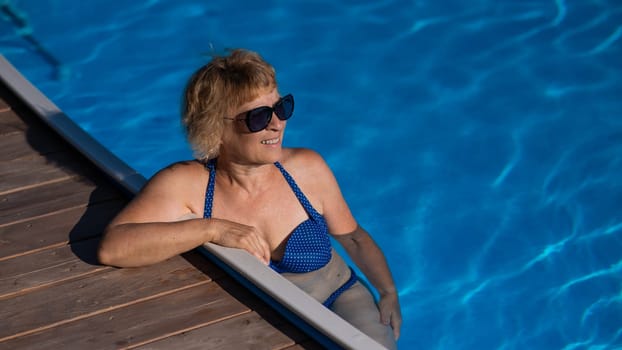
(480, 142)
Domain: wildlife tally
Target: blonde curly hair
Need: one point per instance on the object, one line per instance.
(215, 90)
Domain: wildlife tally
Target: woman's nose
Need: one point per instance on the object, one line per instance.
(276, 123)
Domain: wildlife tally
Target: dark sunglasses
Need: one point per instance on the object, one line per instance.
(259, 118)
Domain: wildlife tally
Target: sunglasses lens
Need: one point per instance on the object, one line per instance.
(258, 119)
(285, 107)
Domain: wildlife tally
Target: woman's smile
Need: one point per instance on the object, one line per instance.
(271, 141)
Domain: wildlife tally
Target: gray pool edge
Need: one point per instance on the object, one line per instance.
(239, 262)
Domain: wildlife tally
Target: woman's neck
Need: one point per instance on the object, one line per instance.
(251, 178)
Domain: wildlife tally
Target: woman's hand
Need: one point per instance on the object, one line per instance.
(231, 234)
(390, 313)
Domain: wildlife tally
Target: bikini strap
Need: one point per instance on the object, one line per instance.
(349, 283)
(209, 191)
(301, 196)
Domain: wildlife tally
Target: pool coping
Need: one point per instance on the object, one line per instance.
(301, 309)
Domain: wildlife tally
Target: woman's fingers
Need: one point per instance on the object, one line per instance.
(396, 323)
(235, 235)
(264, 250)
(390, 313)
(255, 243)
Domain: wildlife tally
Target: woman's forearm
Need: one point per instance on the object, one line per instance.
(369, 258)
(140, 244)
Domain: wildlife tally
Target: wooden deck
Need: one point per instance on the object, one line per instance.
(54, 295)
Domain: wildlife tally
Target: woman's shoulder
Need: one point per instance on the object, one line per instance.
(183, 168)
(188, 171)
(302, 157)
(172, 192)
(305, 163)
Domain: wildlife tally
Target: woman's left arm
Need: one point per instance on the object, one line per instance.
(321, 182)
(370, 259)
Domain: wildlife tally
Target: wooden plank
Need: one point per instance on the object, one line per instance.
(26, 172)
(24, 134)
(97, 293)
(30, 143)
(305, 345)
(24, 205)
(138, 323)
(27, 272)
(267, 313)
(20, 115)
(4, 106)
(248, 331)
(49, 231)
(10, 121)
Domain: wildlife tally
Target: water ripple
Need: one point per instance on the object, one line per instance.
(602, 47)
(561, 12)
(613, 270)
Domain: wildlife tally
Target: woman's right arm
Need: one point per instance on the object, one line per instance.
(159, 223)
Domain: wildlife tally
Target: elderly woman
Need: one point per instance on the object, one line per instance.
(247, 191)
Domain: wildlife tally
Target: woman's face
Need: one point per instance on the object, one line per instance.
(262, 147)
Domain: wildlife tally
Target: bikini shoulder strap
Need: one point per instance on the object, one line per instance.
(299, 194)
(209, 191)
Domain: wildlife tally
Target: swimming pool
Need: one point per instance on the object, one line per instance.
(479, 142)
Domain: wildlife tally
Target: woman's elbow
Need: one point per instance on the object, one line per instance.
(105, 255)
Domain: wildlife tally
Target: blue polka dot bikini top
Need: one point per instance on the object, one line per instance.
(308, 247)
